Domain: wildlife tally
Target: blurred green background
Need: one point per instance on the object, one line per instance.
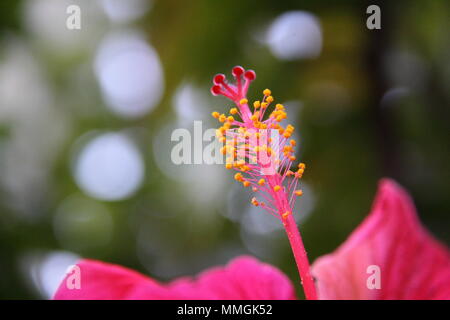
(86, 118)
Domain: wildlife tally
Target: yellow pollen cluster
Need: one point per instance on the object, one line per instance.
(256, 203)
(248, 127)
(286, 214)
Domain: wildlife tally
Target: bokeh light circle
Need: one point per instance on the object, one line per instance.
(295, 35)
(109, 167)
(129, 73)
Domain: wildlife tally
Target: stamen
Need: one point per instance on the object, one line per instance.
(286, 214)
(251, 149)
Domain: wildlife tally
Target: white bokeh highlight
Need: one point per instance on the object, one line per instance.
(125, 11)
(45, 20)
(130, 74)
(47, 269)
(190, 103)
(295, 35)
(110, 167)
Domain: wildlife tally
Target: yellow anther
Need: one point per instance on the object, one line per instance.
(264, 105)
(230, 119)
(246, 183)
(238, 176)
(230, 149)
(279, 106)
(279, 118)
(298, 193)
(233, 110)
(286, 214)
(287, 134)
(254, 202)
(301, 171)
(269, 99)
(276, 188)
(289, 173)
(256, 104)
(255, 116)
(215, 114)
(292, 158)
(229, 166)
(267, 92)
(301, 165)
(243, 101)
(222, 118)
(293, 142)
(261, 182)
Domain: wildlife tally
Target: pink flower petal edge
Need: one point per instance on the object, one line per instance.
(412, 264)
(244, 278)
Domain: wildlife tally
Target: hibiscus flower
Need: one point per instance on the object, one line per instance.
(390, 256)
(409, 264)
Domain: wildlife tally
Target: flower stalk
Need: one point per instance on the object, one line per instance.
(301, 258)
(262, 151)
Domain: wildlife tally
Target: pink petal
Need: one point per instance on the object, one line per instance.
(104, 281)
(413, 264)
(242, 278)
